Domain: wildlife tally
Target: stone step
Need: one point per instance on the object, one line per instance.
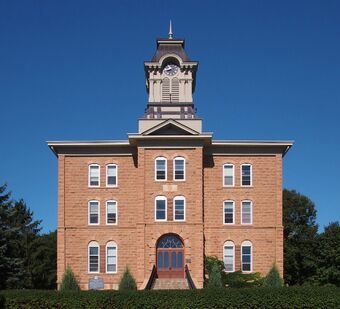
(170, 284)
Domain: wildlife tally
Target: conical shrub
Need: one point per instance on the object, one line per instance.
(215, 279)
(273, 278)
(69, 281)
(127, 282)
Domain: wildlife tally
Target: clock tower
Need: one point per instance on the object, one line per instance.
(170, 83)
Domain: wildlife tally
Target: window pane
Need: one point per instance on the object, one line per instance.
(180, 259)
(246, 249)
(93, 250)
(111, 170)
(246, 212)
(160, 259)
(179, 209)
(160, 169)
(166, 259)
(173, 259)
(228, 212)
(228, 175)
(179, 169)
(246, 175)
(94, 175)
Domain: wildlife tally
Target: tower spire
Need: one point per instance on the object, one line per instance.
(170, 31)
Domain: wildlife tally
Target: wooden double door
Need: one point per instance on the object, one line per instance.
(170, 257)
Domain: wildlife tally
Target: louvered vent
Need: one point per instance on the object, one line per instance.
(174, 90)
(166, 90)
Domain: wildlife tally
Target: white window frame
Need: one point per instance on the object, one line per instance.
(88, 210)
(228, 201)
(111, 201)
(111, 244)
(251, 212)
(176, 198)
(89, 175)
(161, 198)
(93, 244)
(247, 243)
(107, 175)
(223, 175)
(174, 170)
(166, 168)
(229, 243)
(251, 175)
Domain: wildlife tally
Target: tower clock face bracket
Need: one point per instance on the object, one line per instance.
(170, 69)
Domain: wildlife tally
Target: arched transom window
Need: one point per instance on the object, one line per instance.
(170, 241)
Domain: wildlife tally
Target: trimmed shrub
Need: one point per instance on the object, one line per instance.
(69, 281)
(215, 280)
(273, 279)
(209, 263)
(238, 279)
(256, 298)
(127, 282)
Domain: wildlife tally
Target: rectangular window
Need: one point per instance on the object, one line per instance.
(160, 169)
(246, 210)
(160, 209)
(93, 259)
(93, 212)
(179, 209)
(229, 258)
(111, 212)
(246, 175)
(94, 176)
(246, 258)
(111, 174)
(111, 259)
(228, 212)
(179, 169)
(228, 175)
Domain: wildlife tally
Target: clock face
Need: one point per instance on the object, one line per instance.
(170, 69)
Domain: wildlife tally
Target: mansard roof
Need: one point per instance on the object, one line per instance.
(170, 46)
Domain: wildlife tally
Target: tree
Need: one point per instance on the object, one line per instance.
(20, 246)
(300, 232)
(69, 281)
(215, 279)
(127, 282)
(328, 255)
(273, 279)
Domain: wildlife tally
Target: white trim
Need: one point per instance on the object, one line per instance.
(89, 175)
(93, 244)
(166, 168)
(111, 244)
(176, 198)
(161, 198)
(110, 201)
(228, 201)
(251, 175)
(184, 168)
(251, 212)
(88, 211)
(229, 243)
(107, 176)
(223, 175)
(247, 243)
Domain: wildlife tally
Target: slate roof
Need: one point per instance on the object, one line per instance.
(163, 49)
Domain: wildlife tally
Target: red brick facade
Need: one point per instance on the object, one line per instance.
(136, 233)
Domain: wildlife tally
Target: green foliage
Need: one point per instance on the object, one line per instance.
(256, 298)
(69, 281)
(215, 278)
(273, 279)
(328, 256)
(238, 279)
(24, 262)
(300, 233)
(209, 263)
(127, 282)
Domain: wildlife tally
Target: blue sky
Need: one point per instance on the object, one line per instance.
(73, 70)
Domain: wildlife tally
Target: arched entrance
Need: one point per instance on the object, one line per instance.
(170, 257)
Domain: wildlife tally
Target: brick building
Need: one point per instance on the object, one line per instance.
(169, 194)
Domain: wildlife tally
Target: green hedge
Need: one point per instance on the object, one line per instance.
(293, 297)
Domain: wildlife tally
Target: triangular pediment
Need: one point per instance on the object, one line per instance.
(170, 127)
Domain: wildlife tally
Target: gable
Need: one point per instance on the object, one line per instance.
(170, 127)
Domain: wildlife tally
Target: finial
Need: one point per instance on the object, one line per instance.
(170, 31)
